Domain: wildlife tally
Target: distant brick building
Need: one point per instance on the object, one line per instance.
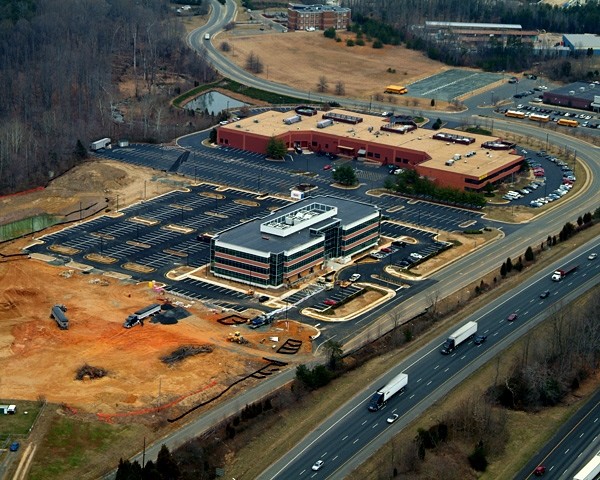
(478, 33)
(580, 95)
(447, 157)
(317, 17)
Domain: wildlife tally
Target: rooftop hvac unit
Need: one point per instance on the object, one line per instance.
(293, 119)
(450, 162)
(582, 89)
(572, 92)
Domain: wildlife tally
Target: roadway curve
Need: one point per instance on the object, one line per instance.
(449, 280)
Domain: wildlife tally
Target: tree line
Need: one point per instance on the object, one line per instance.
(61, 63)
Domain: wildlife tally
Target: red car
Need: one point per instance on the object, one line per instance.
(327, 167)
(386, 250)
(539, 471)
(329, 301)
(512, 317)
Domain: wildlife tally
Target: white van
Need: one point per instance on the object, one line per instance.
(207, 36)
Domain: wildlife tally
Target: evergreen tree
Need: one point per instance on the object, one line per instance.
(276, 148)
(166, 465)
(509, 265)
(529, 256)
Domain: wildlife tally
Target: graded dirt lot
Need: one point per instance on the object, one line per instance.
(299, 59)
(40, 360)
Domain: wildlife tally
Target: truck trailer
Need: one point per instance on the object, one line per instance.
(138, 317)
(468, 330)
(591, 470)
(561, 273)
(99, 144)
(383, 394)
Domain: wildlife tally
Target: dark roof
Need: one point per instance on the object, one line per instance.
(579, 89)
(248, 235)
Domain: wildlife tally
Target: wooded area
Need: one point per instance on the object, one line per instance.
(375, 17)
(63, 65)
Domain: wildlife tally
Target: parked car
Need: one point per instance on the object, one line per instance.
(354, 277)
(327, 167)
(14, 446)
(545, 294)
(386, 250)
(512, 317)
(416, 256)
(318, 464)
(329, 302)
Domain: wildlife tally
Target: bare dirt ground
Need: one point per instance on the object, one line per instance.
(41, 361)
(299, 59)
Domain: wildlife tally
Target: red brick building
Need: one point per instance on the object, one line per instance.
(317, 17)
(446, 157)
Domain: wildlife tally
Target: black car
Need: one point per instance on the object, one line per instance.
(545, 294)
(479, 339)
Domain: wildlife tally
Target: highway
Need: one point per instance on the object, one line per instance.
(430, 374)
(572, 446)
(352, 434)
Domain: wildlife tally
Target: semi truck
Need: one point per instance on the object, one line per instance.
(561, 273)
(139, 316)
(591, 470)
(383, 394)
(468, 330)
(100, 144)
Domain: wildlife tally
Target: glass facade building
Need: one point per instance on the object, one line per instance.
(295, 241)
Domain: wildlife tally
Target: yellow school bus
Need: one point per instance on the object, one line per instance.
(397, 89)
(568, 123)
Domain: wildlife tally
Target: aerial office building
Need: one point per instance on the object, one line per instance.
(449, 158)
(295, 241)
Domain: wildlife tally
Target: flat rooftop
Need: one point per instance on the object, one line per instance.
(271, 123)
(579, 89)
(252, 234)
(583, 40)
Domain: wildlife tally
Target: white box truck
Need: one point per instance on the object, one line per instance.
(99, 144)
(468, 330)
(383, 394)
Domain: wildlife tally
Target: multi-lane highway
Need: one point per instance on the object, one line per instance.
(353, 432)
(572, 446)
(349, 436)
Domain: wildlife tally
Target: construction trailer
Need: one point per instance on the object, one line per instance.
(139, 316)
(8, 409)
(58, 314)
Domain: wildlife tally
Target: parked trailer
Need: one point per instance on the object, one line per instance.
(468, 330)
(100, 144)
(561, 273)
(8, 409)
(591, 470)
(58, 314)
(383, 394)
(138, 317)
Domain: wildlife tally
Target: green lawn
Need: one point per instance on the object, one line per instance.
(72, 444)
(20, 423)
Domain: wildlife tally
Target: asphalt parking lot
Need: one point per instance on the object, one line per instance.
(451, 84)
(140, 235)
(551, 174)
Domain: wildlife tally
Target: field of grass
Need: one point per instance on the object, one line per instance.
(72, 445)
(20, 423)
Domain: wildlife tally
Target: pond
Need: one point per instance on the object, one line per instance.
(214, 102)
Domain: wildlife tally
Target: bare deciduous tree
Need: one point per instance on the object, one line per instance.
(322, 85)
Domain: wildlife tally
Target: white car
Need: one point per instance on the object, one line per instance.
(393, 418)
(355, 277)
(417, 256)
(592, 256)
(318, 464)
